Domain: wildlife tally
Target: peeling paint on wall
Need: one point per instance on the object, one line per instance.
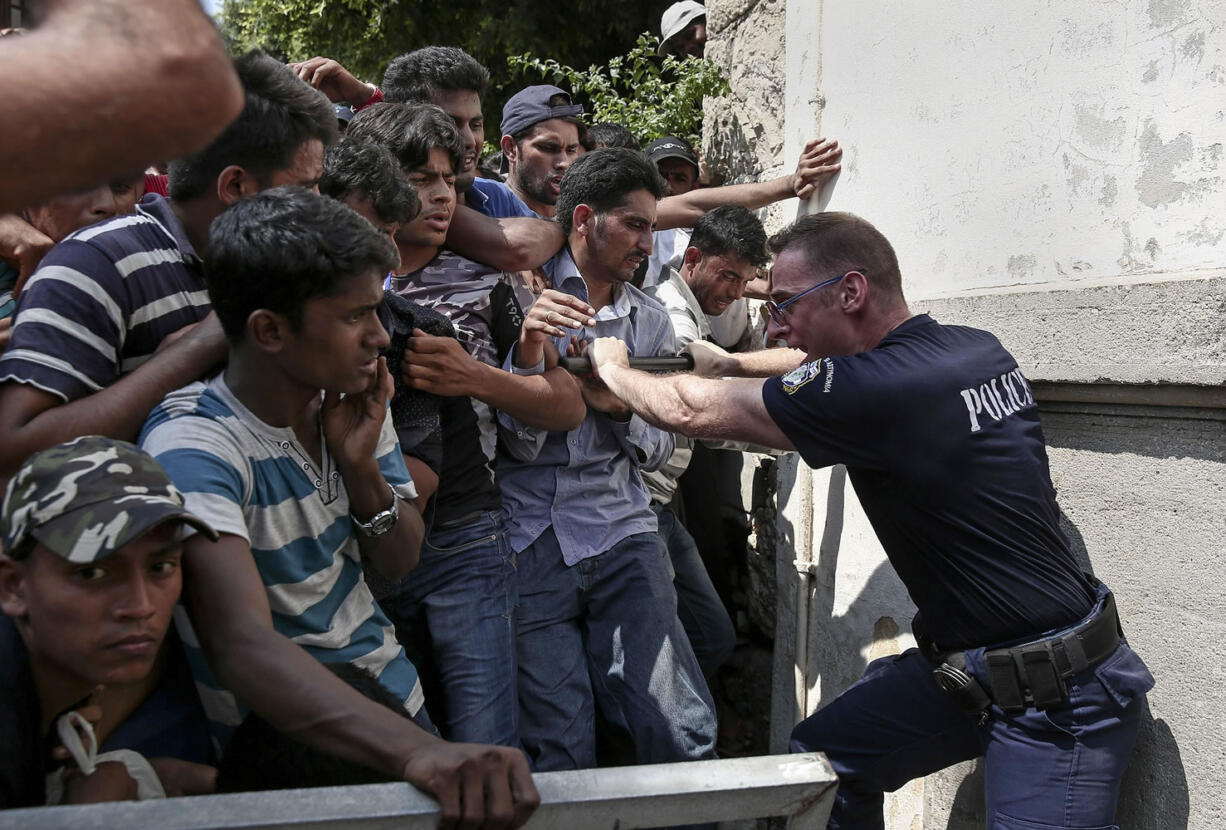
(1020, 266)
(1167, 14)
(1107, 133)
(1109, 192)
(1157, 184)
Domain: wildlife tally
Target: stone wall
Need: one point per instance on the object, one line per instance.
(1052, 172)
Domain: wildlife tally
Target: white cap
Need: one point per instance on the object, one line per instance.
(677, 17)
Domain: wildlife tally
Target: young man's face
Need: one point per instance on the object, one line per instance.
(541, 159)
(621, 239)
(97, 623)
(680, 175)
(464, 108)
(305, 168)
(717, 281)
(337, 345)
(435, 182)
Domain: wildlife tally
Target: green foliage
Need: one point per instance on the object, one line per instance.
(364, 35)
(649, 96)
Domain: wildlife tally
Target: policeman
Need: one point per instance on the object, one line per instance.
(1021, 656)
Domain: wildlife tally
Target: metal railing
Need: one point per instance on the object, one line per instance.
(799, 786)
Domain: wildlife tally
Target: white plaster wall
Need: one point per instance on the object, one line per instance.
(1052, 172)
(1031, 142)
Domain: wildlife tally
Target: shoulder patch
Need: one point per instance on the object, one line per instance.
(805, 373)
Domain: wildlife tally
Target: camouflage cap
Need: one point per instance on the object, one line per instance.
(88, 498)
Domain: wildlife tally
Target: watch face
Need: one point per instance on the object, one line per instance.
(382, 523)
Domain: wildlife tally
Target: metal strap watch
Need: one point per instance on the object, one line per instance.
(381, 522)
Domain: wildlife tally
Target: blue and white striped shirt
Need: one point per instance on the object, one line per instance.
(258, 482)
(102, 300)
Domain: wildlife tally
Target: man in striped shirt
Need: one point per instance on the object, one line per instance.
(292, 455)
(117, 315)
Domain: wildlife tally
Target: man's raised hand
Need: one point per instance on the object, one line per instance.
(333, 80)
(352, 424)
(818, 162)
(552, 313)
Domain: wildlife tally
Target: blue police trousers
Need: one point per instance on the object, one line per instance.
(1056, 768)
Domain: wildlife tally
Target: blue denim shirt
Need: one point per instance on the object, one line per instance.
(586, 482)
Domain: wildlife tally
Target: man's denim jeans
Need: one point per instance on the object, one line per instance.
(606, 631)
(706, 621)
(458, 609)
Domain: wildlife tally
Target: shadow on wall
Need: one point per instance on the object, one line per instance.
(837, 643)
(1170, 436)
(1076, 543)
(1153, 796)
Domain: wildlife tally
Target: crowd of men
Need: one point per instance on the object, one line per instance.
(300, 493)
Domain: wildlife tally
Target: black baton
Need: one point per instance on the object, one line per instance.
(681, 363)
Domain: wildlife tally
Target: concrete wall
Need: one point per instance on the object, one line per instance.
(1052, 172)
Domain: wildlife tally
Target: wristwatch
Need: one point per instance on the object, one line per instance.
(381, 522)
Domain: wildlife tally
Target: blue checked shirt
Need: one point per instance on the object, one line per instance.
(586, 483)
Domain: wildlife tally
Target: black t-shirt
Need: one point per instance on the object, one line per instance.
(23, 756)
(940, 434)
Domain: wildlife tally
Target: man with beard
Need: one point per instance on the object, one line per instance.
(598, 612)
(542, 135)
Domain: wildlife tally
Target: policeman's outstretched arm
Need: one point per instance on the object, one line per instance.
(697, 407)
(710, 361)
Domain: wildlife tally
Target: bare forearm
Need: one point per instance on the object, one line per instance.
(260, 666)
(93, 76)
(698, 407)
(684, 210)
(118, 411)
(668, 402)
(549, 401)
(513, 244)
(764, 363)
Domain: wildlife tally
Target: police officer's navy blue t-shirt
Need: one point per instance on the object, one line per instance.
(940, 434)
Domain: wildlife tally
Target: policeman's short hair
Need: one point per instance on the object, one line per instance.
(603, 179)
(834, 242)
